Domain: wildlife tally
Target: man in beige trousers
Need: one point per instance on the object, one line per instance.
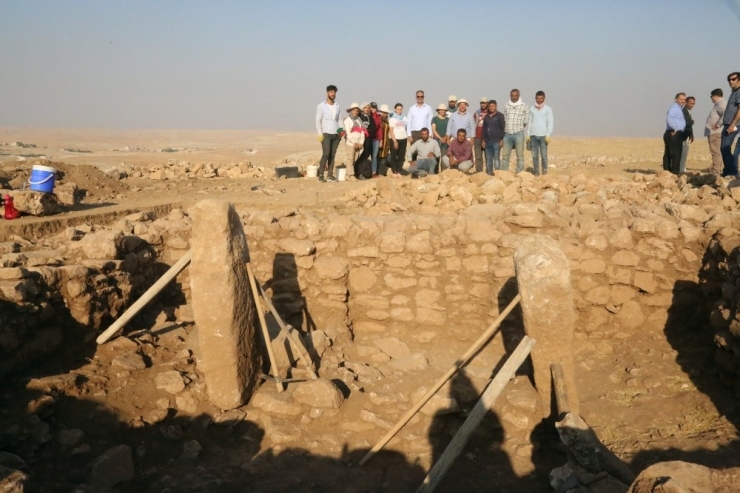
(713, 130)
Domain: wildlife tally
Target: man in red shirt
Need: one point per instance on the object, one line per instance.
(460, 152)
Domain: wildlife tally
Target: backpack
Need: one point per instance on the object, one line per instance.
(365, 168)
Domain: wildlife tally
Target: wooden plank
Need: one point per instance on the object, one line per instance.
(462, 361)
(483, 405)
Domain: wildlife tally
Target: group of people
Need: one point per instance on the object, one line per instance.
(382, 140)
(720, 129)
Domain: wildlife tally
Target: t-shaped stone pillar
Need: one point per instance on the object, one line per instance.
(223, 304)
(543, 276)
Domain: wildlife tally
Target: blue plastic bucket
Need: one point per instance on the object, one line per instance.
(42, 178)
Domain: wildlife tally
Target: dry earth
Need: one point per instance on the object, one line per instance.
(686, 415)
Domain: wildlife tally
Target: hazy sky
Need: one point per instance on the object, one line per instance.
(610, 68)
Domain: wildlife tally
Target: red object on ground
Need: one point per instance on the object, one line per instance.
(10, 211)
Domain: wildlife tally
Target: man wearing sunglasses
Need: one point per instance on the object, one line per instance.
(730, 131)
(420, 116)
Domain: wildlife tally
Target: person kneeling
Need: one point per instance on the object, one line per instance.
(429, 148)
(460, 152)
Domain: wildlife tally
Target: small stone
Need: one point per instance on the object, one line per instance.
(70, 438)
(129, 361)
(319, 393)
(156, 416)
(191, 450)
(170, 381)
(274, 403)
(185, 402)
(112, 467)
(331, 267)
(393, 347)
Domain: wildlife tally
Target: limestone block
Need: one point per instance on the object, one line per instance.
(593, 266)
(332, 268)
(319, 393)
(630, 315)
(35, 203)
(112, 467)
(625, 258)
(645, 281)
(223, 304)
(543, 277)
(392, 242)
(397, 283)
(299, 248)
(674, 476)
(420, 243)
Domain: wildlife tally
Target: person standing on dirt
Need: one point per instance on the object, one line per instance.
(539, 130)
(688, 133)
(493, 136)
(363, 160)
(439, 131)
(451, 104)
(377, 136)
(327, 124)
(478, 141)
(419, 116)
(516, 113)
(385, 143)
(730, 131)
(399, 136)
(673, 136)
(713, 129)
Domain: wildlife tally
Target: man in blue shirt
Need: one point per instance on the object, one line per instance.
(730, 131)
(673, 136)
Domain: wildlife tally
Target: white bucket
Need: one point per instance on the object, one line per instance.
(312, 171)
(341, 174)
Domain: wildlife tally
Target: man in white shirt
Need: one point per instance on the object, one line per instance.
(327, 124)
(419, 116)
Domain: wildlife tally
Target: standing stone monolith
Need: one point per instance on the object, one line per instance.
(543, 276)
(223, 305)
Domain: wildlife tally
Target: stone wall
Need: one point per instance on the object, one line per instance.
(73, 285)
(720, 281)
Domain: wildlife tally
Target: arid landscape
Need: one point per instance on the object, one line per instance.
(388, 282)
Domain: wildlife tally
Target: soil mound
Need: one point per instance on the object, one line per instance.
(89, 179)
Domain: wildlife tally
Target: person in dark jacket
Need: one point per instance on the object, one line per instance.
(688, 134)
(494, 124)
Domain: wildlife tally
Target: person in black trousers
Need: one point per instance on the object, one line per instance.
(367, 150)
(674, 135)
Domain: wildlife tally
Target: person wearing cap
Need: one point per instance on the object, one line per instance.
(327, 124)
(451, 104)
(368, 123)
(377, 136)
(419, 116)
(384, 149)
(354, 130)
(460, 152)
(439, 131)
(478, 143)
(539, 131)
(398, 135)
(461, 120)
(494, 126)
(516, 114)
(428, 151)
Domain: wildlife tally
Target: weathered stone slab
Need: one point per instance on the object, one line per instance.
(543, 276)
(223, 304)
(35, 203)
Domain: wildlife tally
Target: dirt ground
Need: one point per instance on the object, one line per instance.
(688, 416)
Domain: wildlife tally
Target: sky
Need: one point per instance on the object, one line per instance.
(609, 68)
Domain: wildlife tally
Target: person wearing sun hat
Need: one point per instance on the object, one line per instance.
(462, 120)
(385, 142)
(353, 129)
(439, 131)
(451, 104)
(368, 123)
